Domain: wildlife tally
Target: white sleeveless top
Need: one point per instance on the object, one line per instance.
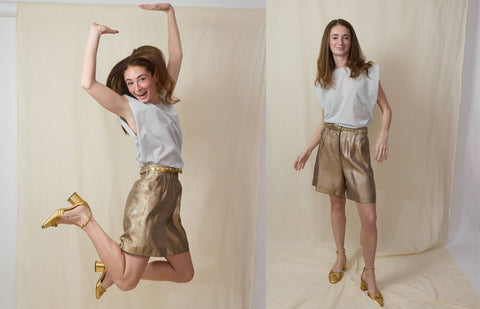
(159, 138)
(350, 102)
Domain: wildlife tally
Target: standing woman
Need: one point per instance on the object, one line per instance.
(139, 90)
(348, 87)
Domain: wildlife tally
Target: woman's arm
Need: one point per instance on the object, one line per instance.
(305, 154)
(381, 146)
(108, 98)
(175, 53)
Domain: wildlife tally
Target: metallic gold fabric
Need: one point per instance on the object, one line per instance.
(151, 223)
(340, 128)
(161, 168)
(343, 165)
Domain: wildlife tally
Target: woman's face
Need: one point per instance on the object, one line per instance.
(140, 83)
(340, 40)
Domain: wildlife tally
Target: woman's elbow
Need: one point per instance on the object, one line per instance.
(86, 85)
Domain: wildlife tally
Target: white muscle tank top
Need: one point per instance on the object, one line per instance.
(350, 102)
(159, 138)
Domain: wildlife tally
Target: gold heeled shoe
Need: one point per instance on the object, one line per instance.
(99, 289)
(76, 201)
(377, 297)
(335, 277)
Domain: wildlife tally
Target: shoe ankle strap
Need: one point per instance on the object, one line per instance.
(368, 269)
(338, 252)
(86, 222)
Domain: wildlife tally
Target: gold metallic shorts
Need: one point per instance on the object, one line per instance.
(151, 222)
(343, 164)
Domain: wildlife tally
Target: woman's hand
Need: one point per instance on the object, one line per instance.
(381, 148)
(165, 7)
(101, 29)
(301, 160)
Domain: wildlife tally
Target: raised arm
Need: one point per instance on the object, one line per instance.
(108, 98)
(175, 53)
(303, 157)
(381, 146)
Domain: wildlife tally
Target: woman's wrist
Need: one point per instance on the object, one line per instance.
(383, 134)
(95, 31)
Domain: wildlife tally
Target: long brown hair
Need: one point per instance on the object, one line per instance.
(325, 63)
(152, 59)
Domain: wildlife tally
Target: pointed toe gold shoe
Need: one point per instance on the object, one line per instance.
(334, 277)
(377, 297)
(99, 289)
(76, 201)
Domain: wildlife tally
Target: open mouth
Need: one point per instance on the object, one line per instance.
(141, 96)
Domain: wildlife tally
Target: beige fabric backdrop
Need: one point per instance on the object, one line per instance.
(419, 46)
(67, 143)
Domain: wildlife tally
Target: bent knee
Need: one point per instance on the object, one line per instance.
(186, 276)
(127, 284)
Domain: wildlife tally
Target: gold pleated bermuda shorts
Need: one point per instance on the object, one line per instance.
(151, 222)
(343, 164)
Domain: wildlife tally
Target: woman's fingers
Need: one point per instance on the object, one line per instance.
(110, 31)
(381, 153)
(300, 161)
(104, 29)
(156, 7)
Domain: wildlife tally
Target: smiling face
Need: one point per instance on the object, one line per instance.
(140, 83)
(340, 41)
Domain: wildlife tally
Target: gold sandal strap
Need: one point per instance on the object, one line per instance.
(86, 222)
(338, 252)
(368, 269)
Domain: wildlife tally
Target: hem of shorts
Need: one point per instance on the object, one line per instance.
(344, 195)
(153, 254)
(326, 191)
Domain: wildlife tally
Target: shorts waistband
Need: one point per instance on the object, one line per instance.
(160, 168)
(334, 127)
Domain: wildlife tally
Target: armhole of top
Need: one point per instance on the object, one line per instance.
(374, 75)
(124, 123)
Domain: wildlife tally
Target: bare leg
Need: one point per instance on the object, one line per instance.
(368, 240)
(339, 221)
(124, 269)
(177, 268)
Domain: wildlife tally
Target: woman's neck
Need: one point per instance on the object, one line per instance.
(340, 61)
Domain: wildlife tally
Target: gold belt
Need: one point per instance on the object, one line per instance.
(160, 168)
(340, 128)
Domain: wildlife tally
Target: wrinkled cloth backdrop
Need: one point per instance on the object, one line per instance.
(67, 143)
(419, 46)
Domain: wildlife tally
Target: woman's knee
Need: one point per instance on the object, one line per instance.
(186, 275)
(127, 284)
(370, 221)
(368, 215)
